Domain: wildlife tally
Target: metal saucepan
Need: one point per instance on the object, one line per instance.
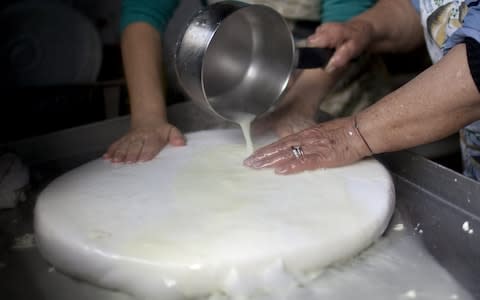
(238, 58)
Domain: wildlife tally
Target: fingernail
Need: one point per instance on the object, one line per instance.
(330, 67)
(249, 161)
(253, 164)
(257, 165)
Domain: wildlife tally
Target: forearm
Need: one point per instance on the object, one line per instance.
(396, 26)
(435, 104)
(142, 59)
(308, 90)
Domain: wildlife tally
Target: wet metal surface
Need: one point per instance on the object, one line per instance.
(445, 207)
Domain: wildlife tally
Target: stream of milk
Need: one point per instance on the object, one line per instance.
(245, 120)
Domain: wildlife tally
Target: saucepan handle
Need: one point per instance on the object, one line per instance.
(310, 58)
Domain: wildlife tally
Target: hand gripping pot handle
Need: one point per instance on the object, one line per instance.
(238, 58)
(310, 58)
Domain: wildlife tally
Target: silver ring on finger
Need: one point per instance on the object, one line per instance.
(297, 152)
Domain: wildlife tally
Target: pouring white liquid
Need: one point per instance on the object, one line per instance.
(245, 120)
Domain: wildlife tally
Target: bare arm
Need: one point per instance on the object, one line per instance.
(395, 24)
(150, 130)
(435, 104)
(142, 60)
(298, 108)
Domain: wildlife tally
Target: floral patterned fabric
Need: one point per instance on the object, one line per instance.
(470, 145)
(448, 23)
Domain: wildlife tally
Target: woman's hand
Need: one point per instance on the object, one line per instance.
(330, 144)
(349, 39)
(150, 130)
(144, 142)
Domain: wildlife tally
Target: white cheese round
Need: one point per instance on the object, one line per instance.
(195, 221)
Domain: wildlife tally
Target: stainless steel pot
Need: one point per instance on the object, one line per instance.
(238, 58)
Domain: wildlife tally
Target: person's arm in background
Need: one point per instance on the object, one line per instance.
(142, 25)
(435, 104)
(298, 107)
